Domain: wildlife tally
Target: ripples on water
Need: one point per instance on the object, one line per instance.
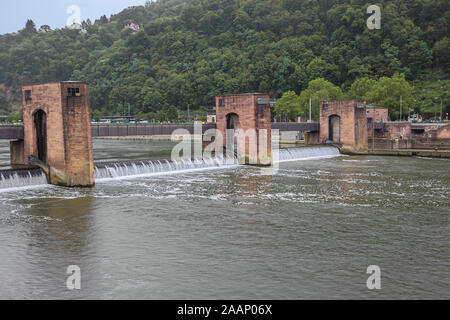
(308, 232)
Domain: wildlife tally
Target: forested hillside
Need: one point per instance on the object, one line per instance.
(187, 52)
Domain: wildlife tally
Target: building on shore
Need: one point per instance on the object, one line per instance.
(377, 114)
(211, 116)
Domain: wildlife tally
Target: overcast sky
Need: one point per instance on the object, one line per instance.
(14, 13)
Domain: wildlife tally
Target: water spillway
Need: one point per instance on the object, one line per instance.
(10, 179)
(104, 171)
(295, 154)
(120, 169)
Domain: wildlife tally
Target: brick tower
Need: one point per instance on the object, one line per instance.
(57, 132)
(249, 116)
(345, 123)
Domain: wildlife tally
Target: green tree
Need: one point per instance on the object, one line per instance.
(172, 113)
(16, 116)
(357, 69)
(151, 116)
(30, 28)
(419, 56)
(188, 52)
(441, 52)
(140, 116)
(161, 116)
(288, 106)
(318, 90)
(96, 115)
(387, 92)
(360, 87)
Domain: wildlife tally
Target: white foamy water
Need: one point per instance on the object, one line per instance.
(142, 168)
(17, 182)
(120, 170)
(308, 153)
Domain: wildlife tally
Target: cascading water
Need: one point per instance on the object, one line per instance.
(105, 171)
(294, 154)
(121, 169)
(20, 179)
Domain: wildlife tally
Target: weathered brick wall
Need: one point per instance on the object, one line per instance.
(353, 123)
(443, 132)
(69, 140)
(378, 114)
(78, 135)
(46, 97)
(396, 130)
(361, 135)
(251, 116)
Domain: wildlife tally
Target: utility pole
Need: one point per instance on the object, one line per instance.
(310, 109)
(189, 115)
(373, 135)
(435, 109)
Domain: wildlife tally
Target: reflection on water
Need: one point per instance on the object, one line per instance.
(310, 231)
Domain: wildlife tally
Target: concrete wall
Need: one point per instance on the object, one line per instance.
(312, 138)
(17, 153)
(69, 140)
(417, 144)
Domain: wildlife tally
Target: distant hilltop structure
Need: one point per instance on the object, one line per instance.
(45, 29)
(75, 26)
(132, 26)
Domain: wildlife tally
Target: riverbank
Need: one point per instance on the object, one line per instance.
(411, 153)
(428, 153)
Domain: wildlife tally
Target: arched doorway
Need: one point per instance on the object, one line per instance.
(40, 125)
(233, 121)
(232, 134)
(335, 129)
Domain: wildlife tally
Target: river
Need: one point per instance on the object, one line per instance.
(308, 232)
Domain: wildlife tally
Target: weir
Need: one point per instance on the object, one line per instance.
(110, 170)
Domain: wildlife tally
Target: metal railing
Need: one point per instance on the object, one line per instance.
(14, 132)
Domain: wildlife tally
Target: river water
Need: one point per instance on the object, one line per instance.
(308, 232)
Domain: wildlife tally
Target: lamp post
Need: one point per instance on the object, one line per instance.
(435, 112)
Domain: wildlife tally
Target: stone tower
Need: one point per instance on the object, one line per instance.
(248, 115)
(344, 122)
(57, 132)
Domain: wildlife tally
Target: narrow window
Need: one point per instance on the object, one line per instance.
(262, 101)
(27, 95)
(221, 102)
(73, 92)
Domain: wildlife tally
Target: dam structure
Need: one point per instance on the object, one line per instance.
(57, 133)
(55, 146)
(127, 169)
(56, 139)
